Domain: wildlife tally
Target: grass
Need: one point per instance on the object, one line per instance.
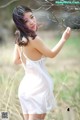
(65, 71)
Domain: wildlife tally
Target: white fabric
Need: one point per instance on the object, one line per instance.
(36, 88)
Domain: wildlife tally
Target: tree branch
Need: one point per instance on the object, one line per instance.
(3, 6)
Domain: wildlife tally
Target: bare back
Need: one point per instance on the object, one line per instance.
(31, 52)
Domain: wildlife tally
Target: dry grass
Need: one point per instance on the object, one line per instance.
(65, 71)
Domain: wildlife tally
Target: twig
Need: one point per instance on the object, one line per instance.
(3, 6)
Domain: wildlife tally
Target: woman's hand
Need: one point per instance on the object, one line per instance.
(66, 33)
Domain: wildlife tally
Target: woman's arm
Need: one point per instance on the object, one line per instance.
(16, 55)
(41, 47)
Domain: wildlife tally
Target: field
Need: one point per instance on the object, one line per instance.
(64, 70)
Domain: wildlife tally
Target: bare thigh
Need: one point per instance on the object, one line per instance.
(26, 116)
(37, 116)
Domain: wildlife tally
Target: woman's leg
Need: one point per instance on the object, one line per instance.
(37, 116)
(26, 116)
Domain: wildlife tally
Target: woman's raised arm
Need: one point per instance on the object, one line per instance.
(41, 47)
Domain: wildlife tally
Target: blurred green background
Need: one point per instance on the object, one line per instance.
(64, 68)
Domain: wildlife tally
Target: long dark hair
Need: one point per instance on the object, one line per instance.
(23, 31)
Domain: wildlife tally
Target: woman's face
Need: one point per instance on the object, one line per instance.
(30, 21)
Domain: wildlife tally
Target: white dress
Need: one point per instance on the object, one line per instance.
(36, 88)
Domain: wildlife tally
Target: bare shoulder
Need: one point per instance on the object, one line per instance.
(37, 38)
(36, 41)
(40, 46)
(17, 48)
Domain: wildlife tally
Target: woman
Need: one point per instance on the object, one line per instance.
(36, 89)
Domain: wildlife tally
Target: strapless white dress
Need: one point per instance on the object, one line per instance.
(35, 91)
